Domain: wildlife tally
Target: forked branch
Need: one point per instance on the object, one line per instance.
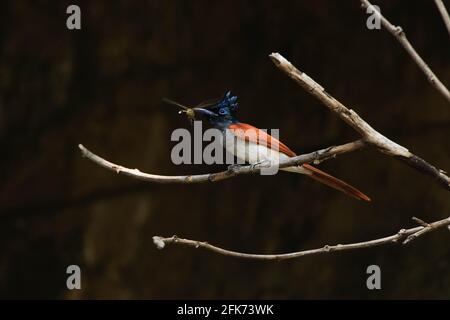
(369, 134)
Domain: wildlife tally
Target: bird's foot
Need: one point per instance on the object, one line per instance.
(263, 163)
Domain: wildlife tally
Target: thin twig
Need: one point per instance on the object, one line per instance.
(441, 7)
(399, 34)
(421, 222)
(369, 134)
(320, 155)
(408, 234)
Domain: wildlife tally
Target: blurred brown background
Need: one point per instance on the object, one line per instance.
(102, 86)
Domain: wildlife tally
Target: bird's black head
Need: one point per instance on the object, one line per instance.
(220, 113)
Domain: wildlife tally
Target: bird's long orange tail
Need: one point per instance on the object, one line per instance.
(335, 183)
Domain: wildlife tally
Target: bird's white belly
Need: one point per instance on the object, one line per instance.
(252, 153)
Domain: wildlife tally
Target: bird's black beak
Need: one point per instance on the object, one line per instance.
(204, 112)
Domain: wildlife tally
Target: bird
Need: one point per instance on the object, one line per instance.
(259, 146)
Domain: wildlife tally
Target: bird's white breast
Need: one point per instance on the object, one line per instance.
(252, 152)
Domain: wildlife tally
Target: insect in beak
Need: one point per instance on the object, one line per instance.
(190, 113)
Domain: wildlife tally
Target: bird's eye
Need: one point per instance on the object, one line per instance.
(222, 111)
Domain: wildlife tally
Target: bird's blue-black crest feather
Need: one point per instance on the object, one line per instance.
(228, 101)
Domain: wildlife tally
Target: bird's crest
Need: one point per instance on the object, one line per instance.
(228, 101)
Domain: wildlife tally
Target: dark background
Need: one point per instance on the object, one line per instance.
(102, 86)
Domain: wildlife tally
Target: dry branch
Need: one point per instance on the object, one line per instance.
(399, 34)
(404, 235)
(369, 134)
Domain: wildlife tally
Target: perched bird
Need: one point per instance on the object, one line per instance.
(253, 148)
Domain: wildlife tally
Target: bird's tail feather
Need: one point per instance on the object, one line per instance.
(333, 182)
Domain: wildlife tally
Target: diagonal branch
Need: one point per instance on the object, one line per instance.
(443, 11)
(399, 34)
(404, 235)
(316, 156)
(369, 134)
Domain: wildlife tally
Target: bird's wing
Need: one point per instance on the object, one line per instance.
(250, 133)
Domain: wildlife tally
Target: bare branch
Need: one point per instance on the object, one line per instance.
(405, 235)
(441, 7)
(399, 34)
(316, 156)
(369, 134)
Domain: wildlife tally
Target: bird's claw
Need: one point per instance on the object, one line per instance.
(254, 165)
